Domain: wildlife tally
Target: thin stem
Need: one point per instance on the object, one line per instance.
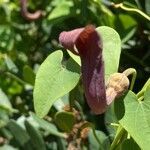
(141, 98)
(70, 105)
(141, 93)
(134, 74)
(114, 124)
(80, 109)
(88, 124)
(118, 137)
(128, 136)
(132, 10)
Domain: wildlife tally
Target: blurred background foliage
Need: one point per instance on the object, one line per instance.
(24, 44)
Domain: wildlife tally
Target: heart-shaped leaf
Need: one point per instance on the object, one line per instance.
(134, 116)
(52, 82)
(111, 49)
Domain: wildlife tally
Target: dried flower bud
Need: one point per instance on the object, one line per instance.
(117, 84)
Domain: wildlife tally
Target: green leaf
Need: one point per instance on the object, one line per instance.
(93, 143)
(75, 58)
(19, 133)
(65, 120)
(6, 133)
(128, 35)
(52, 145)
(62, 143)
(61, 10)
(76, 98)
(52, 82)
(28, 75)
(36, 138)
(134, 116)
(111, 49)
(129, 144)
(4, 101)
(4, 118)
(47, 126)
(7, 147)
(73, 66)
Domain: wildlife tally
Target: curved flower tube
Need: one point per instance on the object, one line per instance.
(29, 16)
(87, 43)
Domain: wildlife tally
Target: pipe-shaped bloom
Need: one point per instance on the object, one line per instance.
(29, 16)
(87, 43)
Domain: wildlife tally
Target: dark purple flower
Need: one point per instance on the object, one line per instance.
(87, 43)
